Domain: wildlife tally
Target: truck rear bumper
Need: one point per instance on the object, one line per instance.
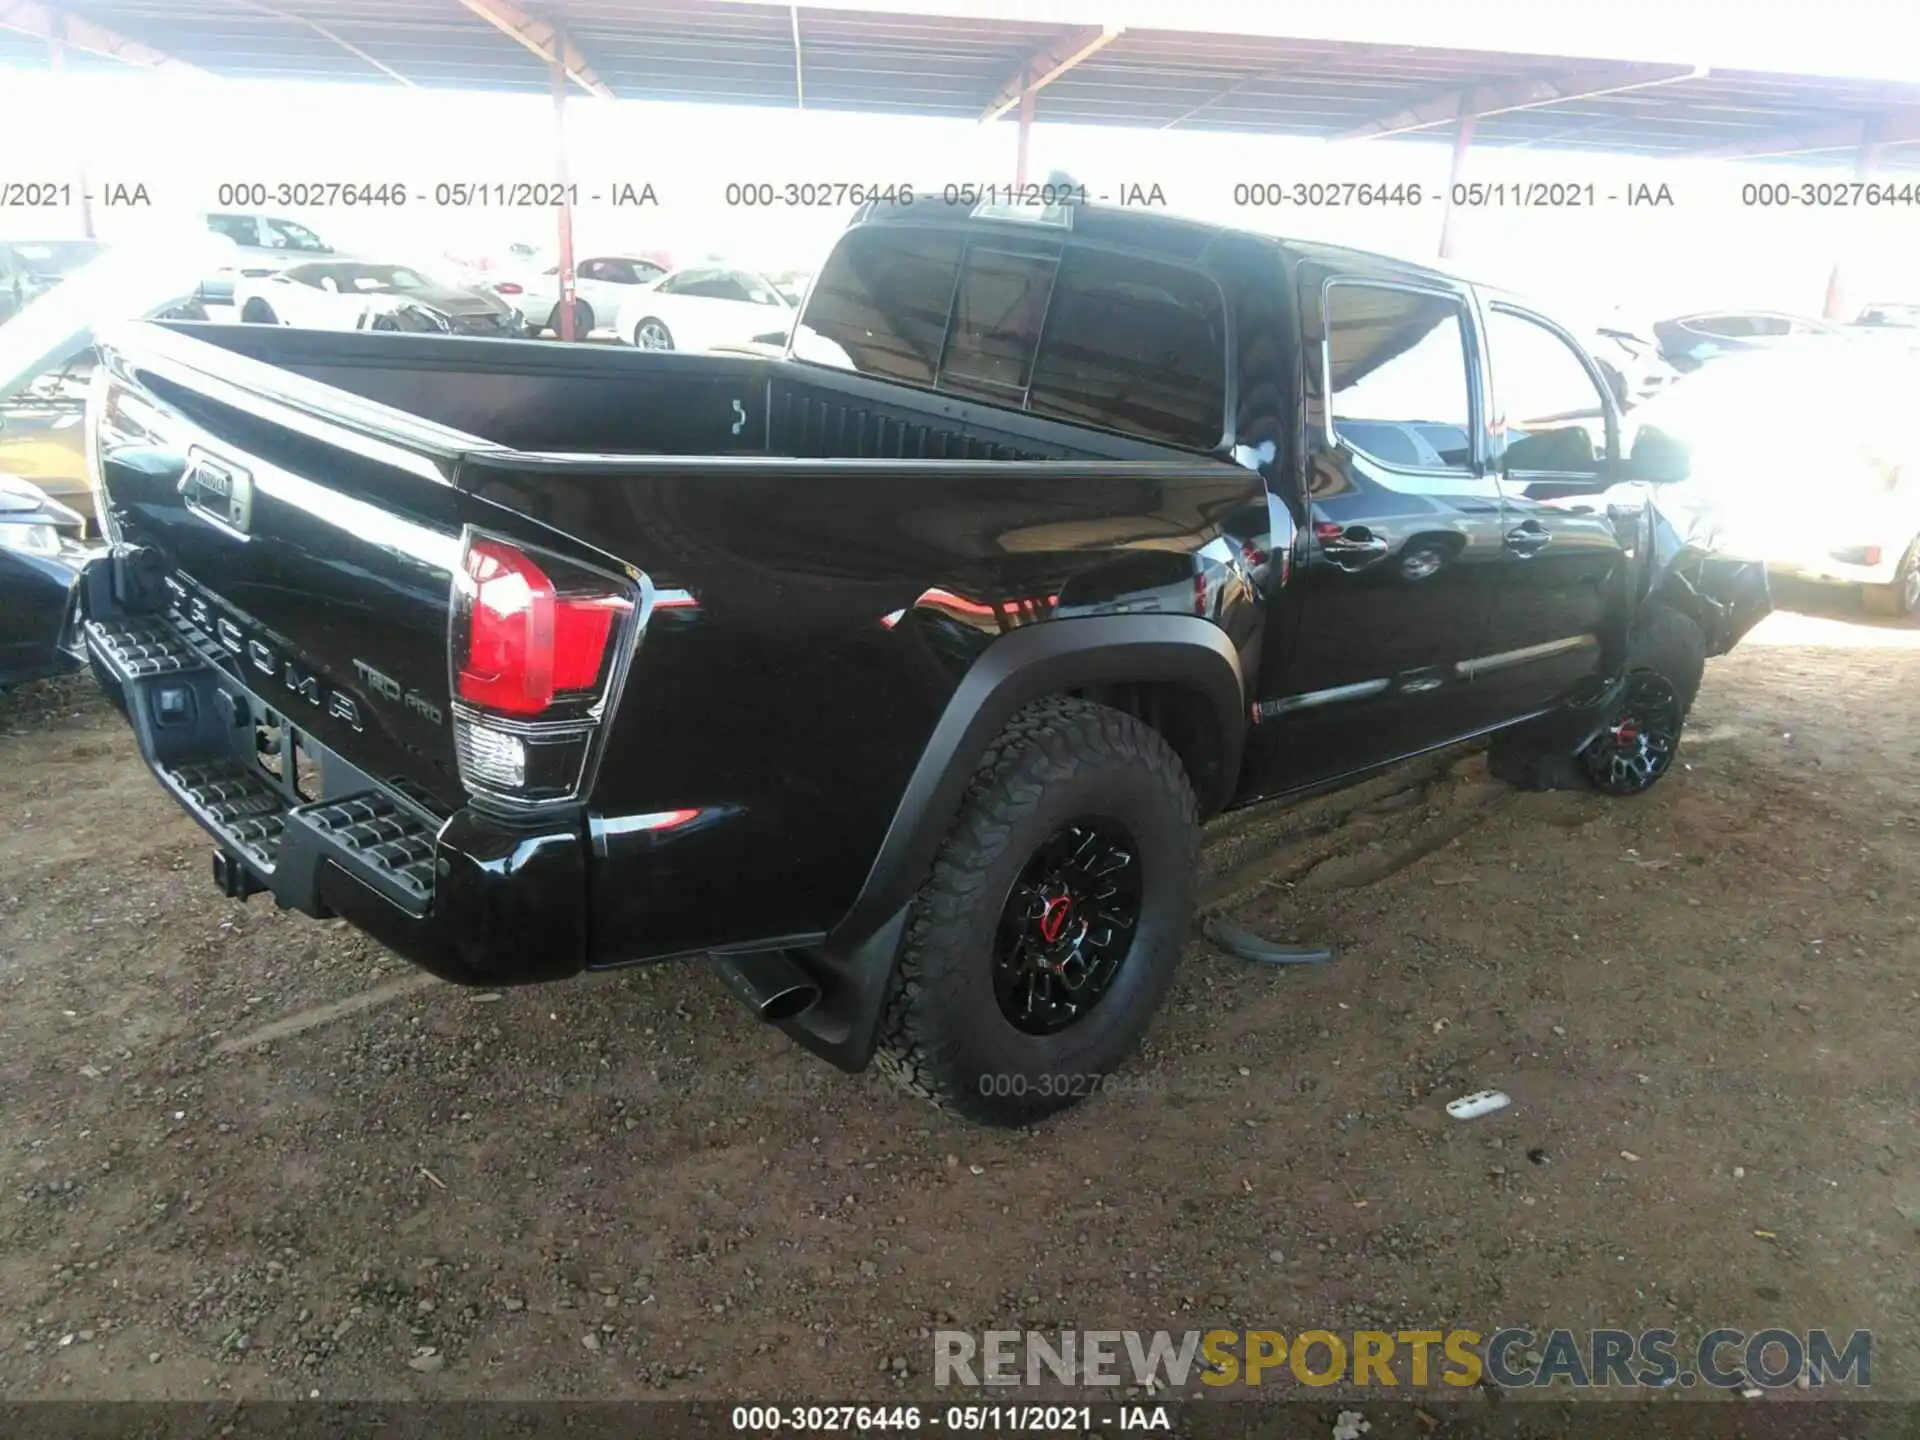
(463, 896)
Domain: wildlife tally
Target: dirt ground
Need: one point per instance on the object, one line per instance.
(248, 1154)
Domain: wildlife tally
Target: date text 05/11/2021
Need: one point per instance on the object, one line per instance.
(961, 1419)
(476, 194)
(1464, 194)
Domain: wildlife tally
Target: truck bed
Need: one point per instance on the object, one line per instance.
(541, 397)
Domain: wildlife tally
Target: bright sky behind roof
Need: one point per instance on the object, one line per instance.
(184, 138)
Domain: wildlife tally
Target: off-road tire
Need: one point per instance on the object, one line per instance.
(943, 1034)
(1896, 600)
(258, 312)
(1664, 641)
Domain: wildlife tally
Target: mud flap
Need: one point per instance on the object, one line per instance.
(843, 1026)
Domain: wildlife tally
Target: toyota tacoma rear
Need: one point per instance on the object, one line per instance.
(895, 675)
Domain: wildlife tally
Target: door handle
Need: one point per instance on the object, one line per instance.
(1528, 538)
(1353, 548)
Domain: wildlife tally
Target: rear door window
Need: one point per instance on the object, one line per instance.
(1551, 409)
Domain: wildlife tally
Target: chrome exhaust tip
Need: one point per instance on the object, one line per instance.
(769, 983)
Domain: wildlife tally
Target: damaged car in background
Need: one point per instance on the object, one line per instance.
(1055, 532)
(366, 295)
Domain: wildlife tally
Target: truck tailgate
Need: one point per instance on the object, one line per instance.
(309, 539)
(274, 621)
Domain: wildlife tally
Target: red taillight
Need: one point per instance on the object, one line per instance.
(507, 287)
(525, 642)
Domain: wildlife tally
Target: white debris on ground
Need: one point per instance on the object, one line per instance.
(1350, 1426)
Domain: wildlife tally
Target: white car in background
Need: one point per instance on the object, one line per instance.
(370, 295)
(1809, 457)
(265, 244)
(601, 284)
(704, 307)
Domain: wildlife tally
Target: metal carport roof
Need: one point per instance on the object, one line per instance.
(916, 61)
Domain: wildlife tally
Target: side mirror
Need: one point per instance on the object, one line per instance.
(1658, 458)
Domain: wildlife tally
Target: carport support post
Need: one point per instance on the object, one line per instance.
(57, 59)
(1462, 140)
(566, 204)
(1026, 135)
(1866, 161)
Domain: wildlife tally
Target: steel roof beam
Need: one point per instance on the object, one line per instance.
(326, 34)
(1046, 65)
(1518, 92)
(543, 37)
(32, 18)
(1891, 127)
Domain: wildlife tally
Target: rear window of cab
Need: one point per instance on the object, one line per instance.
(1069, 331)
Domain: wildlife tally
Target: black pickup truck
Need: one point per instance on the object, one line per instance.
(897, 674)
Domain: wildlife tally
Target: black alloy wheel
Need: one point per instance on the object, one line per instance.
(1067, 926)
(1048, 930)
(1637, 744)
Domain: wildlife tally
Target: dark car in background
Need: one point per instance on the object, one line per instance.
(42, 551)
(30, 268)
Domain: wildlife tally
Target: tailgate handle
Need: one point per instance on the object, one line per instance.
(219, 492)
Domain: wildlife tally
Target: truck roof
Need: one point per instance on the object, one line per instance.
(1143, 228)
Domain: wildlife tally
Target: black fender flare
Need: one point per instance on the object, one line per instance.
(855, 962)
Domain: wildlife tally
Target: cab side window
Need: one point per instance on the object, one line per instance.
(1396, 371)
(1552, 410)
